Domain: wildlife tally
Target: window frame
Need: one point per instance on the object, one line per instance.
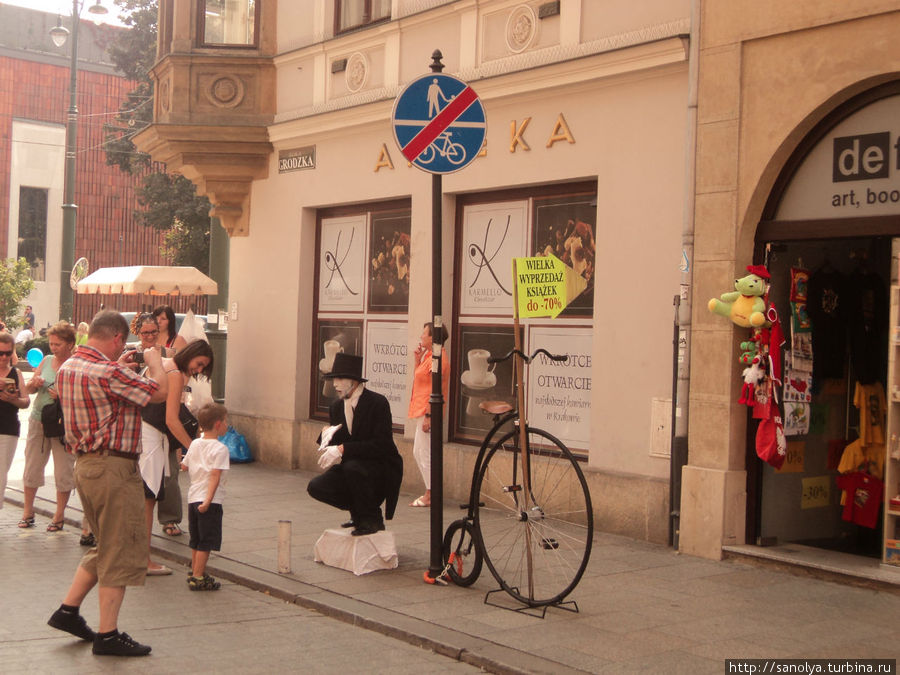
(495, 323)
(201, 29)
(34, 263)
(367, 11)
(354, 320)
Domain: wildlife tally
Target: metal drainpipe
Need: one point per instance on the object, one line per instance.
(684, 300)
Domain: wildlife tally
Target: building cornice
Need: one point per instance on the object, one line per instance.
(494, 84)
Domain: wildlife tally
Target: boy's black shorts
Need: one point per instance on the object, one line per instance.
(205, 528)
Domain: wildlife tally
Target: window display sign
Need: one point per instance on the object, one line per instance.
(342, 264)
(559, 393)
(564, 227)
(480, 381)
(493, 234)
(386, 364)
(815, 492)
(333, 337)
(389, 268)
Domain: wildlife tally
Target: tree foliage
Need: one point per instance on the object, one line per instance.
(169, 202)
(15, 285)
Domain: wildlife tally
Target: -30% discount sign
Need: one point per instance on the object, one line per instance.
(545, 285)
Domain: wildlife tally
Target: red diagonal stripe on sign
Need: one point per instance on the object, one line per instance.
(436, 127)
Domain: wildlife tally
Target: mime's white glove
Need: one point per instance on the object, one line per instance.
(330, 457)
(327, 434)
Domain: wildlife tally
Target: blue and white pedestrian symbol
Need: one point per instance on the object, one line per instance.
(439, 123)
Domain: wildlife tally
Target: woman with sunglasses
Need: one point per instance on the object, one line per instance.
(38, 447)
(12, 399)
(168, 338)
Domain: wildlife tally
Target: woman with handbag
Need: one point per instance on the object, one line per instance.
(41, 442)
(12, 398)
(168, 423)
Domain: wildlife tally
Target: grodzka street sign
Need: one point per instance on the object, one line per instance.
(545, 286)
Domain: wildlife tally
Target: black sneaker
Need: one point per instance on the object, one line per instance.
(71, 622)
(119, 644)
(204, 583)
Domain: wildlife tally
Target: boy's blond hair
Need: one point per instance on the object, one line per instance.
(209, 414)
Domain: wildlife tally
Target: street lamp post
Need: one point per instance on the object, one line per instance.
(59, 35)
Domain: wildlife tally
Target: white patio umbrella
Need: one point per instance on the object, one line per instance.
(153, 280)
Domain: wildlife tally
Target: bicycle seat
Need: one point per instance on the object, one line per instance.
(495, 407)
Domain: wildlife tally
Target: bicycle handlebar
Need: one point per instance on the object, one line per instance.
(526, 358)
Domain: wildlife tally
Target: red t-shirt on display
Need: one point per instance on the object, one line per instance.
(863, 498)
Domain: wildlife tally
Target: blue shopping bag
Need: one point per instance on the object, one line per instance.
(238, 449)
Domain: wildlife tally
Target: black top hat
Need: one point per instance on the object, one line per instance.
(348, 366)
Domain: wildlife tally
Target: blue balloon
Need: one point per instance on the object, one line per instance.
(34, 357)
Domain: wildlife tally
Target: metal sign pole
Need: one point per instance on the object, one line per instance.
(437, 399)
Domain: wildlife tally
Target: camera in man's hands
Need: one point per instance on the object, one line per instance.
(138, 356)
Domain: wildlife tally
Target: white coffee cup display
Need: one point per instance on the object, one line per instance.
(479, 376)
(332, 349)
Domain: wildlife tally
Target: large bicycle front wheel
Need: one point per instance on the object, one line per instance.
(536, 543)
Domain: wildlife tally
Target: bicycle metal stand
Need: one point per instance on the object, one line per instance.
(537, 612)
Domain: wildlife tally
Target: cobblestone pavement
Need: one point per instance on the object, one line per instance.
(234, 630)
(643, 607)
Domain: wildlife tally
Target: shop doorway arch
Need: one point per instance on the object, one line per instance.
(833, 201)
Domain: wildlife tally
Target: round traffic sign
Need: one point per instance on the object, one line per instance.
(439, 123)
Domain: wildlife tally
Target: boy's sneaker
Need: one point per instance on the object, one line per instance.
(119, 644)
(71, 622)
(204, 583)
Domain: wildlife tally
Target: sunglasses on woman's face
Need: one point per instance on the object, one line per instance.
(9, 353)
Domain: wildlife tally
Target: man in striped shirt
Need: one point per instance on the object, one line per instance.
(101, 397)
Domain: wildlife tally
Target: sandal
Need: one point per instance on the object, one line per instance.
(55, 526)
(420, 502)
(26, 522)
(87, 539)
(172, 529)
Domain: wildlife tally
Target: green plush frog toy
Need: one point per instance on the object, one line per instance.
(746, 305)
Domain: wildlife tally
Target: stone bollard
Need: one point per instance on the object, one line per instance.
(284, 546)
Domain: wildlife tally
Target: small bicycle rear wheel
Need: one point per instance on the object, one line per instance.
(461, 552)
(537, 545)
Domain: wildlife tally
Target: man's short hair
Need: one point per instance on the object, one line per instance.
(211, 413)
(108, 323)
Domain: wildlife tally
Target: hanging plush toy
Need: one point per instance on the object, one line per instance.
(746, 305)
(754, 376)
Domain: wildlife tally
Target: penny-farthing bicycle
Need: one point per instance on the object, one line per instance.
(529, 514)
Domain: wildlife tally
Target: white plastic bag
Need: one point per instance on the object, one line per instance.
(199, 394)
(192, 328)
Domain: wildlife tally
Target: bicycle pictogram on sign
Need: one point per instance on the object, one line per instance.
(439, 123)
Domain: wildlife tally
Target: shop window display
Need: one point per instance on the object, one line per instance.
(833, 295)
(362, 302)
(561, 222)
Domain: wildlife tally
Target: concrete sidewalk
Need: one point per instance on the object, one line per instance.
(643, 607)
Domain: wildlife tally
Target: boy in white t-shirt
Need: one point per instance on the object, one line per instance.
(206, 461)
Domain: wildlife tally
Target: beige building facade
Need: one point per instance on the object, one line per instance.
(291, 136)
(658, 147)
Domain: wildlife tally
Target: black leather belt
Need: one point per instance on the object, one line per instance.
(111, 453)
